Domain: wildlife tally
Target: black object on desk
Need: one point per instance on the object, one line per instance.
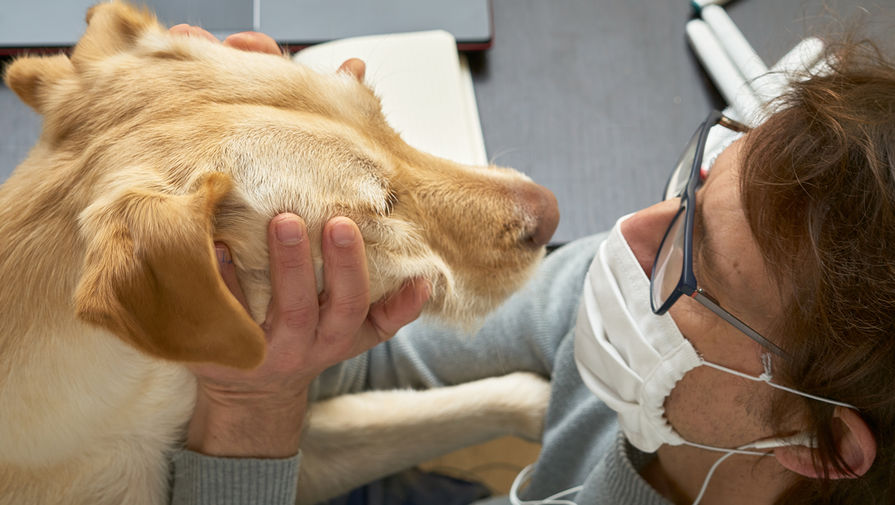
(293, 23)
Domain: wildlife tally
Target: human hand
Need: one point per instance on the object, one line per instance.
(247, 41)
(260, 412)
(262, 43)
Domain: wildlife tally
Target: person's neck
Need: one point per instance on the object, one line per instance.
(678, 472)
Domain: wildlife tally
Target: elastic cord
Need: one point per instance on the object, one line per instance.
(554, 499)
(766, 378)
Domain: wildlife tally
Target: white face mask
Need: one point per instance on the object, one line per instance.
(632, 358)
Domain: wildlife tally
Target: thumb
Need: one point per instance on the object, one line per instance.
(388, 316)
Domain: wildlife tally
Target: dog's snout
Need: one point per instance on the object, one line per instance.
(544, 212)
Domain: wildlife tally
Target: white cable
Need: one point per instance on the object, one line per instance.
(705, 483)
(554, 499)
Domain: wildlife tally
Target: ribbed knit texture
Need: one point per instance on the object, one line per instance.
(616, 479)
(205, 480)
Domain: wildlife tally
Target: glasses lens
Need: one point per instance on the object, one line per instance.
(681, 174)
(669, 267)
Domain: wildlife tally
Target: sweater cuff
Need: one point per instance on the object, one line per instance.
(201, 479)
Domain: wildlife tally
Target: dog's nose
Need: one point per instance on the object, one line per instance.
(545, 212)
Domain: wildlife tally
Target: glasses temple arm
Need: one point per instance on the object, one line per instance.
(710, 303)
(733, 124)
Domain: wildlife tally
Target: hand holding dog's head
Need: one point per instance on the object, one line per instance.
(160, 145)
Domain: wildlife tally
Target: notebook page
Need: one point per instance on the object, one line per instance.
(424, 84)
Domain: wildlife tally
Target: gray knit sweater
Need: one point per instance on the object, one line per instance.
(532, 331)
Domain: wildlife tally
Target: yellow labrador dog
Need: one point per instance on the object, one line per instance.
(153, 147)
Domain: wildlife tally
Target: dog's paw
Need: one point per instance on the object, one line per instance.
(525, 397)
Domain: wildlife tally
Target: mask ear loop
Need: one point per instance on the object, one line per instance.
(799, 439)
(766, 378)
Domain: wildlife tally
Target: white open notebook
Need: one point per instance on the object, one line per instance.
(424, 84)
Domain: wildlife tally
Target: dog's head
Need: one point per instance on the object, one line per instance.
(164, 144)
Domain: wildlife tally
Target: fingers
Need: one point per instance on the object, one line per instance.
(294, 301)
(253, 41)
(192, 31)
(346, 281)
(246, 41)
(228, 272)
(308, 333)
(388, 316)
(355, 67)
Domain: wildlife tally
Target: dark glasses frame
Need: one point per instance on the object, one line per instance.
(687, 284)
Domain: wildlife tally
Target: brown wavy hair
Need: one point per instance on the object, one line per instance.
(818, 187)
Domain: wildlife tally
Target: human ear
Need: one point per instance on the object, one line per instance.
(150, 277)
(854, 442)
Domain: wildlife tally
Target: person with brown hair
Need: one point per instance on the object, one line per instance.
(818, 193)
(732, 343)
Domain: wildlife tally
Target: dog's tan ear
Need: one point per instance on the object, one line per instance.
(30, 77)
(112, 27)
(151, 277)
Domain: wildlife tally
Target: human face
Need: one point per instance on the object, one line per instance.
(672, 275)
(708, 406)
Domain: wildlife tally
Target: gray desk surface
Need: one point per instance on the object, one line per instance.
(594, 99)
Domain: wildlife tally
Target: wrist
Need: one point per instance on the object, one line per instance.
(247, 427)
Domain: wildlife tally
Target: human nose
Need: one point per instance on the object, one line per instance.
(645, 229)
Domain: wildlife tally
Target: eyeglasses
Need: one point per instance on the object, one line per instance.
(673, 269)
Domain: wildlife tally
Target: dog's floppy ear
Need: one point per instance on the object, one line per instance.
(112, 27)
(30, 77)
(151, 277)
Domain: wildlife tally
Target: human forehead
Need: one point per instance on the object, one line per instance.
(728, 262)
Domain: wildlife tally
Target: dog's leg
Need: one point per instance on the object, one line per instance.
(355, 439)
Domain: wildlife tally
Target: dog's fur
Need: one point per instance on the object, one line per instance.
(153, 147)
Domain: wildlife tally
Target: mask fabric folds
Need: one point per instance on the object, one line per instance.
(626, 355)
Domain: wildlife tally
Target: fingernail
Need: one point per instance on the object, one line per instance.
(289, 232)
(342, 234)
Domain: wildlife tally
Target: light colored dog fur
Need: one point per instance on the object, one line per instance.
(153, 147)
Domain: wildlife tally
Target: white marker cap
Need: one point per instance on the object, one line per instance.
(699, 4)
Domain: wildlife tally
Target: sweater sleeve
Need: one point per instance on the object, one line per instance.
(522, 334)
(207, 480)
